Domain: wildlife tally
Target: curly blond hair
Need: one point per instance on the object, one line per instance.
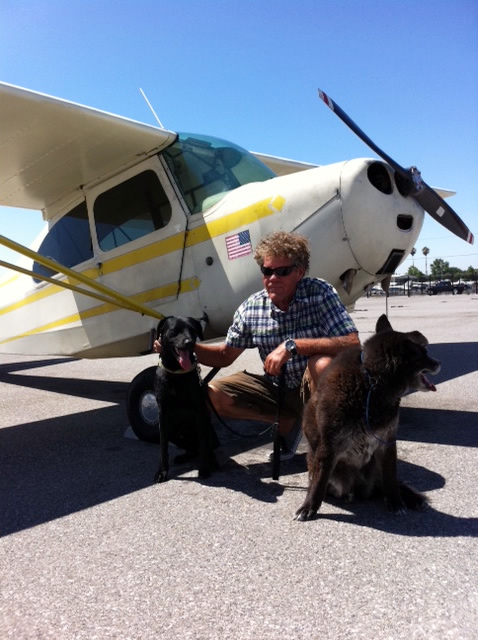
(283, 244)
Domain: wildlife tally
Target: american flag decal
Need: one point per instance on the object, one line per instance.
(238, 245)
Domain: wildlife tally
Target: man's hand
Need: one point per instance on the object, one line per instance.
(157, 346)
(276, 360)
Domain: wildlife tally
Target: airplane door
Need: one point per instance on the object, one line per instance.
(137, 220)
(138, 229)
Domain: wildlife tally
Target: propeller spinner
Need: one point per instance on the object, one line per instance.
(409, 181)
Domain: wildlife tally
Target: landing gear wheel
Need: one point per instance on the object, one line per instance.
(141, 406)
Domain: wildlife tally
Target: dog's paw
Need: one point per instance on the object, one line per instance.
(396, 506)
(161, 476)
(413, 499)
(421, 505)
(204, 472)
(304, 514)
(184, 457)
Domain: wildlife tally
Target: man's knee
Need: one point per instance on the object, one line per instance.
(222, 402)
(316, 365)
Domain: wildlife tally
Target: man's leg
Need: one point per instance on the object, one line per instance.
(316, 366)
(248, 396)
(228, 407)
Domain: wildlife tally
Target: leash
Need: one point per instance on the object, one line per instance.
(373, 382)
(205, 381)
(275, 429)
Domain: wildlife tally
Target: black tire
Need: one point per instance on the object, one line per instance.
(141, 406)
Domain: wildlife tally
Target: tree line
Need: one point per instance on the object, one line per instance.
(441, 270)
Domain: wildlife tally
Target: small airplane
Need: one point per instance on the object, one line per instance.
(144, 222)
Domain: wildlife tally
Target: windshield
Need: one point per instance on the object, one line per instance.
(206, 168)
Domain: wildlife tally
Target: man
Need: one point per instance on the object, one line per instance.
(298, 324)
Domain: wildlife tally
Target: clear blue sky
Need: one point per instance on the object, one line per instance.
(248, 71)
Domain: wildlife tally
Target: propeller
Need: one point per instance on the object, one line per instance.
(409, 181)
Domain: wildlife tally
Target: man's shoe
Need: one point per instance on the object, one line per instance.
(289, 443)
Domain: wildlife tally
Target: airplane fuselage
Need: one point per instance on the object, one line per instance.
(176, 231)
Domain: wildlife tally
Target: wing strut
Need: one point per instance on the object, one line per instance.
(103, 293)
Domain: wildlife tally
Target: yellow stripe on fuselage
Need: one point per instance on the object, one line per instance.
(190, 284)
(202, 233)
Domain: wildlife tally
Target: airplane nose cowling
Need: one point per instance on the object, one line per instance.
(381, 226)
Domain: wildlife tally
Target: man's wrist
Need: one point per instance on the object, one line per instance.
(291, 347)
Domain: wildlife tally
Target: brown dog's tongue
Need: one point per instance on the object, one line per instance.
(184, 360)
(428, 384)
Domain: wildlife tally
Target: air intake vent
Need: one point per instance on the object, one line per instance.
(404, 222)
(392, 261)
(380, 178)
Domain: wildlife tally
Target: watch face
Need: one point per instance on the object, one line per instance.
(290, 346)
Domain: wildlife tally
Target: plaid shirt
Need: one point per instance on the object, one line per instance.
(315, 312)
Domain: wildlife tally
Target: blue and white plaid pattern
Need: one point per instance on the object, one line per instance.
(315, 312)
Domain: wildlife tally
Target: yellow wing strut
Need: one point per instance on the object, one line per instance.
(104, 293)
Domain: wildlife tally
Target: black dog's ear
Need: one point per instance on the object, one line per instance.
(383, 324)
(159, 328)
(198, 327)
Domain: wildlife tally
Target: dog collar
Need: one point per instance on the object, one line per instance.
(372, 384)
(371, 379)
(195, 367)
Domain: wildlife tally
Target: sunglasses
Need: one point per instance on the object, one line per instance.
(278, 271)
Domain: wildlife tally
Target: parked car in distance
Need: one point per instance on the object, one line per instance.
(376, 291)
(419, 287)
(445, 286)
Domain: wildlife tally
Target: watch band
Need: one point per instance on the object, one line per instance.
(291, 347)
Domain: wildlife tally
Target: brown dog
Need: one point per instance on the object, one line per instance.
(351, 420)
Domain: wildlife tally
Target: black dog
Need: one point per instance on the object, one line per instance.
(351, 420)
(183, 413)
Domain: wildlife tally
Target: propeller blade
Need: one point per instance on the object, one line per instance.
(440, 211)
(358, 131)
(409, 181)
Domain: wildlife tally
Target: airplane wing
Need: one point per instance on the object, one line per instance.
(283, 166)
(444, 193)
(50, 147)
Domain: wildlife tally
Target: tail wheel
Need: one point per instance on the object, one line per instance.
(141, 406)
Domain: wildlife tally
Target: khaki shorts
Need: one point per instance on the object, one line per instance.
(257, 392)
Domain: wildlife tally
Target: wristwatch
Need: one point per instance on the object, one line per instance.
(291, 347)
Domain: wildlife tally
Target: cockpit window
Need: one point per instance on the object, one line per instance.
(67, 242)
(206, 168)
(131, 210)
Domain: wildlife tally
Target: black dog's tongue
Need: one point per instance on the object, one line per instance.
(184, 359)
(428, 384)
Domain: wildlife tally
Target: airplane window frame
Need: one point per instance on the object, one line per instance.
(139, 203)
(206, 168)
(68, 242)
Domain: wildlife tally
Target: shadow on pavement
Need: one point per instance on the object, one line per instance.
(55, 467)
(457, 359)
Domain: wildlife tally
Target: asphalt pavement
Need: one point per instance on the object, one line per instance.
(91, 549)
